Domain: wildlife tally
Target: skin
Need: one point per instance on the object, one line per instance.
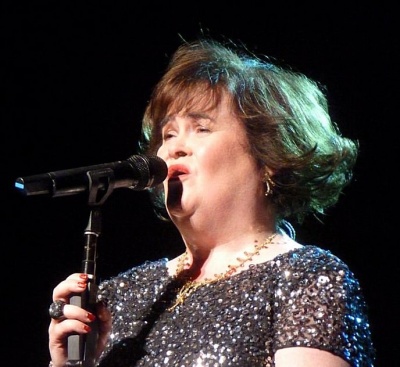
(212, 171)
(215, 197)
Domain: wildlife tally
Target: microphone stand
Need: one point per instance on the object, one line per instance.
(82, 348)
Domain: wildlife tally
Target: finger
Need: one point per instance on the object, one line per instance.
(59, 331)
(59, 311)
(75, 283)
(78, 313)
(58, 338)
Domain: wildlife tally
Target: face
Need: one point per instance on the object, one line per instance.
(210, 168)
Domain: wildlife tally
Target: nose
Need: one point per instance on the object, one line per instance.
(178, 146)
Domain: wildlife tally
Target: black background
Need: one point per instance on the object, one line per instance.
(74, 85)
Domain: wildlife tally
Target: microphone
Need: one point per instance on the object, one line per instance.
(138, 172)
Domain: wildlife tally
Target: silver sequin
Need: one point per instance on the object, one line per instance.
(307, 297)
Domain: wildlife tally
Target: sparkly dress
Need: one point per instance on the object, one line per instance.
(306, 297)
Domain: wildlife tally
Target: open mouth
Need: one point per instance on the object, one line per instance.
(176, 171)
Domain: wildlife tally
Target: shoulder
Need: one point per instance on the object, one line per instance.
(313, 270)
(311, 258)
(289, 253)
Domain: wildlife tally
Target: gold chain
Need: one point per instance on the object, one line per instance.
(191, 285)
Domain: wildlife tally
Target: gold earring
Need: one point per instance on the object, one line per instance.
(269, 184)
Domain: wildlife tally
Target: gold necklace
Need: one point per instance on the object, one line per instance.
(191, 285)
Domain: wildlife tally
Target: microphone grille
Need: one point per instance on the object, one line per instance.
(152, 170)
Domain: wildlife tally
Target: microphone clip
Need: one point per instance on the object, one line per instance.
(101, 185)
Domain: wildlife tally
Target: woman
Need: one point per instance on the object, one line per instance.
(249, 146)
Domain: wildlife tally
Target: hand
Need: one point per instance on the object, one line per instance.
(74, 319)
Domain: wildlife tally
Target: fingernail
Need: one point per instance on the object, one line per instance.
(83, 276)
(90, 316)
(87, 328)
(82, 284)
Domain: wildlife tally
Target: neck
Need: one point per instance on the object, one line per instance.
(239, 220)
(204, 262)
(203, 238)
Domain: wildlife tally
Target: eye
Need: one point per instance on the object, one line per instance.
(168, 134)
(202, 129)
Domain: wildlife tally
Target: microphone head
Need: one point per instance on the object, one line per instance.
(152, 171)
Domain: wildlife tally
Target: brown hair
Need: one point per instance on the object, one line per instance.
(285, 115)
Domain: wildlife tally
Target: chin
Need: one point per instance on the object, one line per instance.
(177, 210)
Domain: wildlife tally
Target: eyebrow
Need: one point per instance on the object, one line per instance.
(192, 115)
(200, 115)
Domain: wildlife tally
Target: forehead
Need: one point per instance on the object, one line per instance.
(209, 101)
(202, 100)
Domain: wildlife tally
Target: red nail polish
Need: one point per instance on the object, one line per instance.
(83, 276)
(87, 328)
(82, 284)
(90, 316)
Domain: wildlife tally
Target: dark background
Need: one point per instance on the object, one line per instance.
(74, 85)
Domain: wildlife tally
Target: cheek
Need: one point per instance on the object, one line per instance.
(230, 162)
(216, 158)
(162, 152)
(224, 152)
(208, 156)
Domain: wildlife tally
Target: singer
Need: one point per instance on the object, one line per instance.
(251, 152)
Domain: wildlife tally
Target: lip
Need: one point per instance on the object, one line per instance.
(177, 170)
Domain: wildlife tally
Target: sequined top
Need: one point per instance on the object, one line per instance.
(306, 297)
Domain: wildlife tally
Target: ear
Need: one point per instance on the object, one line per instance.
(266, 173)
(268, 182)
